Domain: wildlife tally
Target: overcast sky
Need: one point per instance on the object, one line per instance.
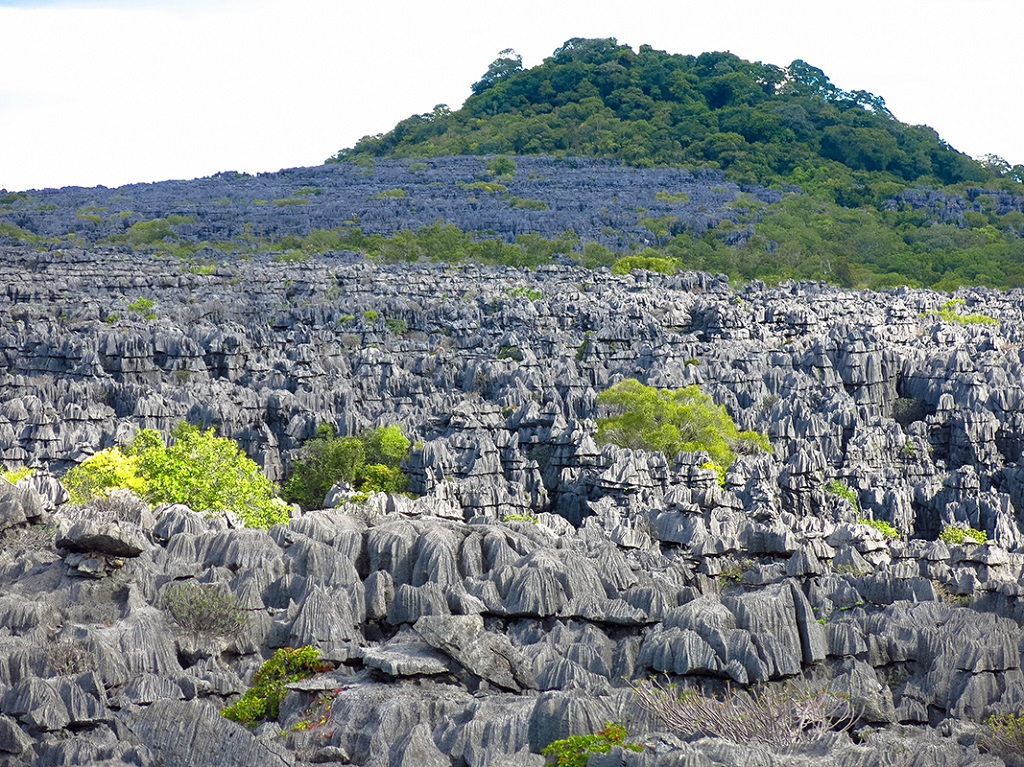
(113, 92)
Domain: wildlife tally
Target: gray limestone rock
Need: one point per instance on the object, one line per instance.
(488, 656)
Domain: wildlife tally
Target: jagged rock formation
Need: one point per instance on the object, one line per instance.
(597, 199)
(457, 638)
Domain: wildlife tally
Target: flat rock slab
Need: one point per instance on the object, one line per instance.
(407, 659)
(112, 539)
(488, 656)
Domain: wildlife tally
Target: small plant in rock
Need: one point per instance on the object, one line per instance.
(885, 528)
(69, 658)
(732, 571)
(143, 306)
(575, 750)
(956, 535)
(777, 715)
(839, 488)
(1004, 735)
(263, 700)
(396, 326)
(531, 518)
(204, 608)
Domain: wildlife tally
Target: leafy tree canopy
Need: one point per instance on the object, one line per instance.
(756, 121)
(673, 421)
(198, 469)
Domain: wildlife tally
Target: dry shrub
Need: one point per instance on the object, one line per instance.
(205, 608)
(776, 715)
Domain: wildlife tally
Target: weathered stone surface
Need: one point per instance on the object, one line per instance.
(488, 656)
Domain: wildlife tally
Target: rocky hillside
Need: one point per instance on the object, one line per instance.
(537, 576)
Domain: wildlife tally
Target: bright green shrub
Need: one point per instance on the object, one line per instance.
(627, 264)
(950, 313)
(201, 470)
(143, 306)
(101, 473)
(954, 534)
(840, 488)
(1004, 734)
(665, 196)
(15, 475)
(673, 421)
(575, 750)
(885, 528)
(263, 700)
(206, 473)
(370, 462)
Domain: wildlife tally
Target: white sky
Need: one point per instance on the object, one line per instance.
(113, 92)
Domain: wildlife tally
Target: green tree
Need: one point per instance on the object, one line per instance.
(508, 63)
(673, 421)
(370, 462)
(206, 473)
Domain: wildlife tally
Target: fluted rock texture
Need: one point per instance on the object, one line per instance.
(457, 636)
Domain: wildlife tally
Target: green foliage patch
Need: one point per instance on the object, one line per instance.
(1004, 734)
(16, 475)
(263, 700)
(950, 313)
(673, 421)
(957, 535)
(199, 469)
(885, 528)
(370, 462)
(839, 488)
(650, 263)
(575, 750)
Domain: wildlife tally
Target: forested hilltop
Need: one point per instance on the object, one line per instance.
(882, 203)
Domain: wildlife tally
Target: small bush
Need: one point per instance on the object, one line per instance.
(575, 750)
(885, 528)
(839, 488)
(1004, 734)
(16, 475)
(204, 608)
(388, 193)
(778, 716)
(627, 264)
(531, 293)
(263, 700)
(955, 534)
(665, 196)
(525, 203)
(397, 326)
(531, 518)
(69, 658)
(143, 306)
